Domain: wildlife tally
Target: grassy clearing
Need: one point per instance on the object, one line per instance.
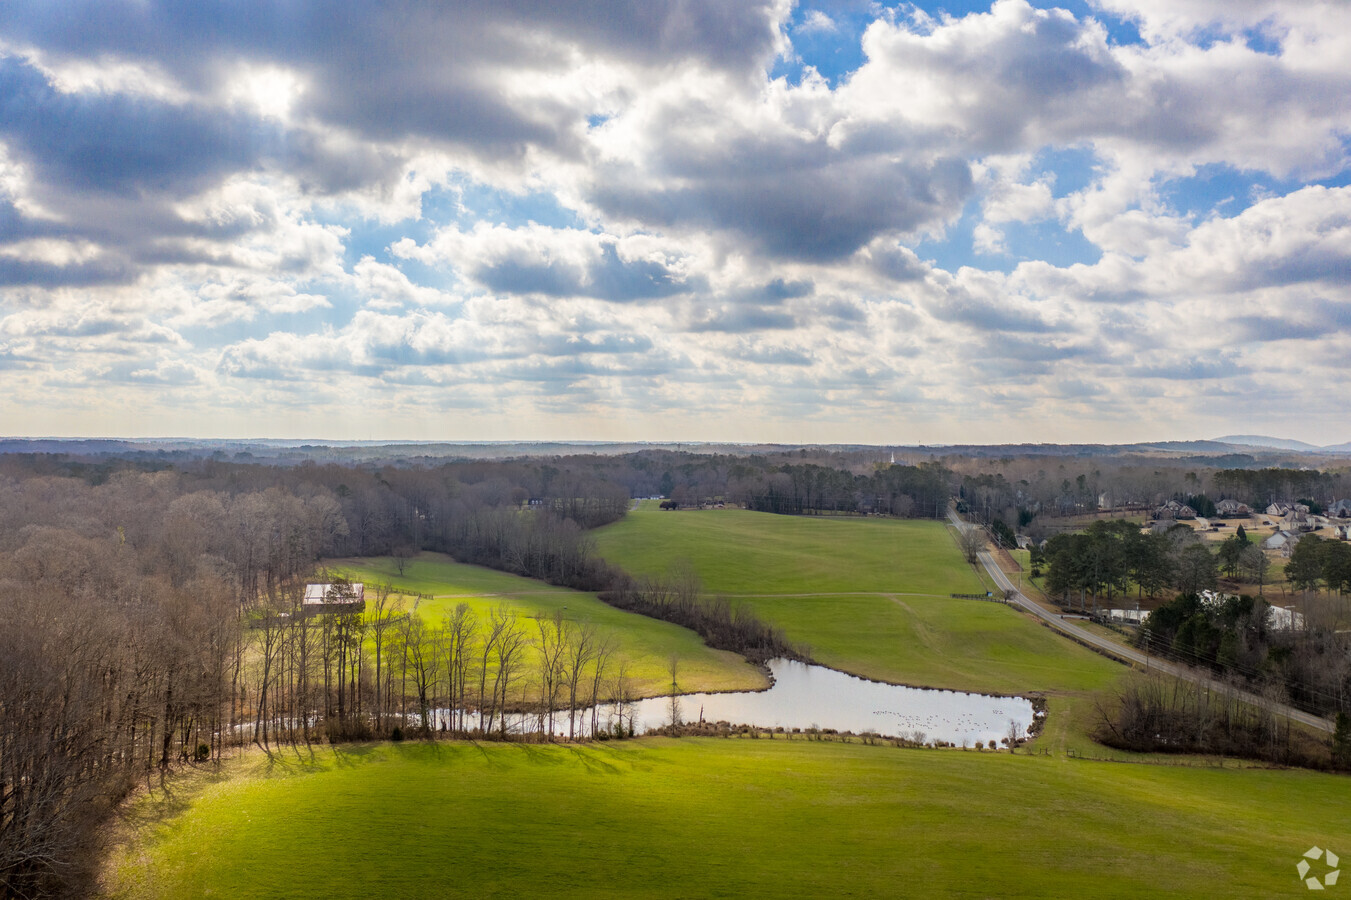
(722, 819)
(740, 552)
(646, 643)
(937, 642)
(868, 596)
(440, 576)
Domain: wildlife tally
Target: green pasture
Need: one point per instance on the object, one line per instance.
(439, 575)
(868, 596)
(932, 641)
(645, 643)
(735, 551)
(722, 818)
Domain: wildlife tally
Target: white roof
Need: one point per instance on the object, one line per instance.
(318, 593)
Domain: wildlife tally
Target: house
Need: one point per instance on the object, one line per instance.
(1278, 510)
(1024, 542)
(327, 598)
(1227, 509)
(1340, 510)
(1341, 532)
(1174, 510)
(1297, 520)
(1283, 541)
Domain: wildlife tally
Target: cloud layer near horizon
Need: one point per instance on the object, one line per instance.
(829, 222)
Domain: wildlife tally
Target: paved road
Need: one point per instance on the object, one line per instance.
(1127, 654)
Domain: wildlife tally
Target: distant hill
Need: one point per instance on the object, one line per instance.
(1221, 445)
(1258, 440)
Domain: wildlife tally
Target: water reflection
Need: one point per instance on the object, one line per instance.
(806, 696)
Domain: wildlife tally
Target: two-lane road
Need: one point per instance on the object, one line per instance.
(1122, 652)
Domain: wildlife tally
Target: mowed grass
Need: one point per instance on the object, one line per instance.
(724, 818)
(737, 551)
(929, 641)
(871, 597)
(646, 644)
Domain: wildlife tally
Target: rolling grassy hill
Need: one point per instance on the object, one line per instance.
(645, 643)
(739, 817)
(871, 597)
(740, 552)
(723, 818)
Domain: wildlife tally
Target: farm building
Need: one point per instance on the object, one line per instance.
(340, 597)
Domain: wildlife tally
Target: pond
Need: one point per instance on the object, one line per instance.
(808, 696)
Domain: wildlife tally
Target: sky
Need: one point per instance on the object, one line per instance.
(1100, 221)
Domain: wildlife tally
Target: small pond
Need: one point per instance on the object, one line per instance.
(806, 696)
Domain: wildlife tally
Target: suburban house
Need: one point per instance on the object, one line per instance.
(1283, 541)
(1297, 520)
(1340, 510)
(328, 598)
(1174, 510)
(1341, 532)
(1226, 509)
(1278, 510)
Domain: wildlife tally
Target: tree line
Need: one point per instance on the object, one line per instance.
(389, 671)
(154, 618)
(1299, 662)
(1099, 564)
(910, 491)
(677, 598)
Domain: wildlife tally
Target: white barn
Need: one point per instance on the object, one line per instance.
(320, 598)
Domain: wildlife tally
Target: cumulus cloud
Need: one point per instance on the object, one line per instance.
(258, 203)
(558, 262)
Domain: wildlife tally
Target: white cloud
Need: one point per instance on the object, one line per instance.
(256, 228)
(816, 21)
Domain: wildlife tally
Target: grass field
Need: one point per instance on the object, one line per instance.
(646, 643)
(937, 642)
(883, 609)
(724, 818)
(740, 552)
